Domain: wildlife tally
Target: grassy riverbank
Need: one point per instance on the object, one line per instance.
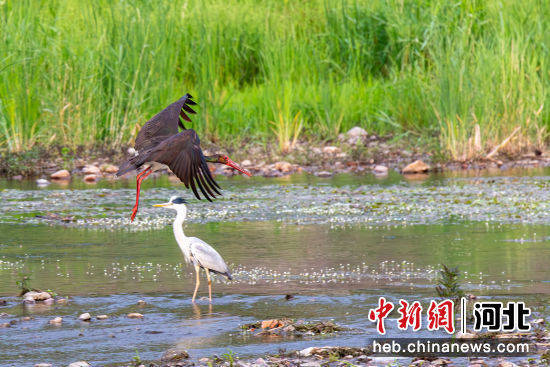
(462, 76)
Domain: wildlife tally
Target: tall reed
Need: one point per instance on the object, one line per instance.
(468, 73)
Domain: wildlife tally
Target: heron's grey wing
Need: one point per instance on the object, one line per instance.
(207, 257)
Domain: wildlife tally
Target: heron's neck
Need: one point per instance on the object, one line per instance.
(181, 238)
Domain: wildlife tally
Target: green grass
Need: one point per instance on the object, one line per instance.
(75, 72)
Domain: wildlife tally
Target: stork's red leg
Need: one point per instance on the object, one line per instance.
(139, 178)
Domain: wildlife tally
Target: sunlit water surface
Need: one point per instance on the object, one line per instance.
(335, 244)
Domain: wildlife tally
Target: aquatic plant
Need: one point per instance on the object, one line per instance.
(449, 283)
(468, 74)
(230, 357)
(24, 283)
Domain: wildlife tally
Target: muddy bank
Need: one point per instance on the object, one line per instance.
(350, 153)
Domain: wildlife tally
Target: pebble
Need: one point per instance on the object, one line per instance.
(355, 135)
(380, 170)
(416, 167)
(246, 163)
(55, 321)
(5, 325)
(109, 168)
(461, 335)
(37, 296)
(478, 362)
(79, 364)
(42, 182)
(26, 318)
(310, 364)
(260, 362)
(85, 317)
(91, 169)
(506, 364)
(141, 302)
(43, 365)
(135, 315)
(283, 166)
(102, 317)
(60, 175)
(62, 301)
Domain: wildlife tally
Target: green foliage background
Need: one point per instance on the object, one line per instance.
(76, 72)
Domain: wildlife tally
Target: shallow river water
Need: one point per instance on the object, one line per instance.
(335, 244)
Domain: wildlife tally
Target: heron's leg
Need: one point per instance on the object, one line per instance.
(139, 178)
(197, 283)
(209, 284)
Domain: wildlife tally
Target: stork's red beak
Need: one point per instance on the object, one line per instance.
(232, 164)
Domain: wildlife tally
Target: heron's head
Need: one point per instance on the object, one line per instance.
(176, 202)
(223, 159)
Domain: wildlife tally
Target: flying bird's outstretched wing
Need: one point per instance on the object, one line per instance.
(165, 123)
(183, 154)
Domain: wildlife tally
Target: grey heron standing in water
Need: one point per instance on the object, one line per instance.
(195, 250)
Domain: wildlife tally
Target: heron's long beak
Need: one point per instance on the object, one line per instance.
(232, 164)
(162, 205)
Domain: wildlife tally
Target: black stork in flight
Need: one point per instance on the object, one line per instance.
(161, 145)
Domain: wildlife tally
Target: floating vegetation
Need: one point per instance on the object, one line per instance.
(453, 200)
(292, 328)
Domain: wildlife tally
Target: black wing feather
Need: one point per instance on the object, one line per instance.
(182, 153)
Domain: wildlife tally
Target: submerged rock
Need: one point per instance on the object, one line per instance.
(91, 178)
(324, 174)
(56, 321)
(417, 166)
(135, 315)
(43, 365)
(102, 317)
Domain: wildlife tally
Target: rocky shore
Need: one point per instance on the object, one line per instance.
(316, 356)
(353, 152)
